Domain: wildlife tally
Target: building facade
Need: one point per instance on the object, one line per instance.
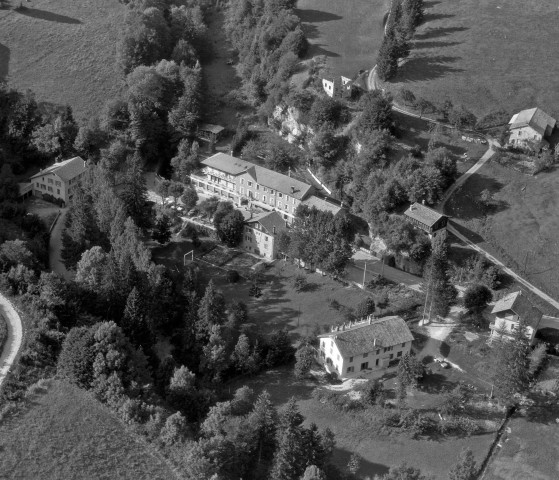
(243, 182)
(59, 180)
(364, 346)
(509, 311)
(261, 232)
(531, 127)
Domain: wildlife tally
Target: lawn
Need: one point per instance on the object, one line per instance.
(521, 227)
(63, 50)
(348, 33)
(66, 434)
(487, 56)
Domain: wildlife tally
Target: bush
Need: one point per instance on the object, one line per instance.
(459, 426)
(233, 276)
(537, 358)
(339, 400)
(299, 283)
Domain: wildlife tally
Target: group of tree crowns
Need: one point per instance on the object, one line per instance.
(269, 39)
(403, 19)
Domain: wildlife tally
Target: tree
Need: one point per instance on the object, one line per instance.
(512, 365)
(75, 362)
(424, 105)
(387, 59)
(189, 198)
(407, 96)
(241, 354)
(134, 192)
(162, 189)
(403, 472)
(312, 472)
(325, 111)
(460, 117)
(181, 391)
(365, 308)
(215, 359)
(134, 321)
(440, 291)
(229, 224)
(410, 370)
(175, 429)
(304, 361)
(465, 469)
(476, 298)
(377, 113)
(262, 423)
(162, 230)
(211, 311)
(14, 252)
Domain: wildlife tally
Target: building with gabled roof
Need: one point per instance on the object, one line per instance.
(60, 179)
(260, 234)
(244, 182)
(531, 126)
(364, 346)
(509, 311)
(430, 221)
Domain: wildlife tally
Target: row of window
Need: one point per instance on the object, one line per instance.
(365, 365)
(44, 187)
(266, 190)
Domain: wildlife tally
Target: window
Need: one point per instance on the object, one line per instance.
(279, 204)
(57, 183)
(391, 356)
(376, 363)
(257, 187)
(399, 354)
(58, 191)
(378, 352)
(350, 369)
(265, 189)
(37, 184)
(272, 192)
(365, 355)
(364, 365)
(263, 198)
(242, 181)
(350, 359)
(265, 238)
(50, 180)
(404, 344)
(250, 184)
(280, 195)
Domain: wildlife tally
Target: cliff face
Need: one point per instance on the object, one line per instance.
(288, 121)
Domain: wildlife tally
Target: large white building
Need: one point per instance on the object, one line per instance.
(244, 182)
(60, 179)
(531, 127)
(364, 346)
(261, 232)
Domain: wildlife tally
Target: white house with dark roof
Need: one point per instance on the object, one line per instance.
(509, 311)
(430, 221)
(60, 179)
(244, 182)
(364, 346)
(531, 127)
(260, 233)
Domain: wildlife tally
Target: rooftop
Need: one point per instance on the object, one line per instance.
(66, 170)
(521, 306)
(423, 214)
(269, 220)
(261, 175)
(322, 204)
(366, 337)
(209, 127)
(533, 117)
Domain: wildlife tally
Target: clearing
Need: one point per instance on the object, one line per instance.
(63, 50)
(348, 33)
(486, 56)
(66, 434)
(521, 225)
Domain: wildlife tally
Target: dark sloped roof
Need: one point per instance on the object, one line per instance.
(365, 338)
(424, 214)
(269, 220)
(521, 306)
(533, 117)
(209, 127)
(66, 170)
(322, 204)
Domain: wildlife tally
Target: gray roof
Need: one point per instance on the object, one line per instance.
(66, 170)
(261, 175)
(521, 306)
(364, 338)
(424, 214)
(209, 127)
(533, 117)
(322, 204)
(269, 220)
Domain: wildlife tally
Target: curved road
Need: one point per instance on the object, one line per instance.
(15, 336)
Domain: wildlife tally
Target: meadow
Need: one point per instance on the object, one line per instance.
(520, 227)
(63, 50)
(487, 56)
(348, 33)
(64, 433)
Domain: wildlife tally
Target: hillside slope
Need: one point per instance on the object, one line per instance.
(63, 50)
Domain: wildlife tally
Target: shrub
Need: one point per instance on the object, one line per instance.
(304, 360)
(299, 283)
(537, 358)
(459, 426)
(233, 276)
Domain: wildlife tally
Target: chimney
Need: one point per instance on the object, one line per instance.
(423, 201)
(292, 189)
(374, 342)
(412, 207)
(274, 229)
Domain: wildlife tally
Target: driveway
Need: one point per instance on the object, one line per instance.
(15, 336)
(55, 248)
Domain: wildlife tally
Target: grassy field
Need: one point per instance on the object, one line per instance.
(348, 33)
(521, 227)
(66, 434)
(487, 56)
(63, 50)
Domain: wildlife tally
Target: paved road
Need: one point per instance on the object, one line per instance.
(507, 270)
(15, 336)
(55, 248)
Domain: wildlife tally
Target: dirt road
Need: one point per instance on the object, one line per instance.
(15, 336)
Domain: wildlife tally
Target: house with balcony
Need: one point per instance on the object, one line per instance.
(60, 179)
(245, 183)
(509, 311)
(361, 347)
(430, 221)
(531, 127)
(261, 232)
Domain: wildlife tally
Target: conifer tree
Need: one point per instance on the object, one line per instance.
(387, 59)
(465, 469)
(210, 312)
(263, 423)
(440, 291)
(134, 192)
(134, 322)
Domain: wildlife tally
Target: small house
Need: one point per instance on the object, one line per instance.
(209, 133)
(366, 346)
(509, 311)
(430, 221)
(59, 180)
(531, 127)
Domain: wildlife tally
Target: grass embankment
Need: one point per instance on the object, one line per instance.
(521, 226)
(3, 332)
(63, 50)
(348, 34)
(485, 55)
(65, 433)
